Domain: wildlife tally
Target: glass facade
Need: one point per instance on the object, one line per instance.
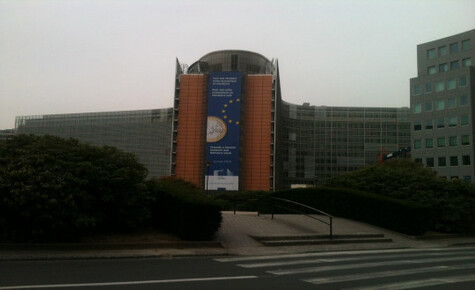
(321, 142)
(246, 62)
(147, 133)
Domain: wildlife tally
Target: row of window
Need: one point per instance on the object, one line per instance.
(442, 161)
(441, 123)
(441, 142)
(444, 50)
(452, 65)
(441, 104)
(439, 86)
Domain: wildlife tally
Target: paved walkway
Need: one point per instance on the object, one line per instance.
(234, 238)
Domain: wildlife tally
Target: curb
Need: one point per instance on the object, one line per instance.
(109, 246)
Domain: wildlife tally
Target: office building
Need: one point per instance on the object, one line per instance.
(320, 142)
(6, 133)
(442, 106)
(147, 133)
(229, 129)
(278, 144)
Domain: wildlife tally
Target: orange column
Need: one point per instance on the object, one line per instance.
(190, 141)
(257, 132)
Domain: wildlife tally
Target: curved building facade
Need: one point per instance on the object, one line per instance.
(275, 144)
(230, 130)
(224, 124)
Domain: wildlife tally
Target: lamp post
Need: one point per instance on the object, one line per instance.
(208, 164)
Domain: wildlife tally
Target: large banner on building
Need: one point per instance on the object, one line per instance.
(222, 141)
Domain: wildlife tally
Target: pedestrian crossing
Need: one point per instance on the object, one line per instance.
(376, 269)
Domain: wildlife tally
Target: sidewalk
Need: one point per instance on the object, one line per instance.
(234, 238)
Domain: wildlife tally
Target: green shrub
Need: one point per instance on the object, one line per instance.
(390, 213)
(182, 209)
(56, 189)
(453, 201)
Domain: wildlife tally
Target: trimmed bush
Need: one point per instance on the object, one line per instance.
(390, 213)
(53, 189)
(453, 201)
(183, 210)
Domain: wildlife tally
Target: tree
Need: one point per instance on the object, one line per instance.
(57, 189)
(454, 201)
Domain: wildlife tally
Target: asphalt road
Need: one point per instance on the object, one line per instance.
(447, 268)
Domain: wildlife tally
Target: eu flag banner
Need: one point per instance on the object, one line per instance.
(223, 131)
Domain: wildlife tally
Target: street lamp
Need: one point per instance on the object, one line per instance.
(208, 164)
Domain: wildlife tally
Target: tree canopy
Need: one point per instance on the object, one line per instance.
(56, 189)
(454, 201)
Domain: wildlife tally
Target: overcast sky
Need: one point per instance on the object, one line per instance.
(91, 56)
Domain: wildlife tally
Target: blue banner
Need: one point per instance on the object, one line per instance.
(223, 131)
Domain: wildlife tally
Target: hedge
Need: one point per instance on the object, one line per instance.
(183, 210)
(402, 216)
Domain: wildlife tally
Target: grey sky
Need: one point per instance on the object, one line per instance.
(91, 56)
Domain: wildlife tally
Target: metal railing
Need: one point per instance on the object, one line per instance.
(330, 217)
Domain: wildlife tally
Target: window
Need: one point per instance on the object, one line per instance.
(439, 86)
(417, 144)
(428, 88)
(451, 84)
(443, 67)
(466, 62)
(465, 140)
(429, 125)
(452, 121)
(465, 45)
(417, 126)
(431, 53)
(463, 81)
(465, 159)
(464, 120)
(416, 90)
(442, 50)
(429, 143)
(467, 178)
(428, 106)
(418, 160)
(463, 101)
(440, 123)
(440, 105)
(454, 65)
(234, 62)
(417, 108)
(454, 47)
(454, 161)
(430, 162)
(431, 70)
(451, 102)
(442, 161)
(453, 141)
(441, 142)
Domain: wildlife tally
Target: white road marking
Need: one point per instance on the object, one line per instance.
(423, 283)
(384, 274)
(365, 265)
(128, 282)
(317, 261)
(340, 253)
